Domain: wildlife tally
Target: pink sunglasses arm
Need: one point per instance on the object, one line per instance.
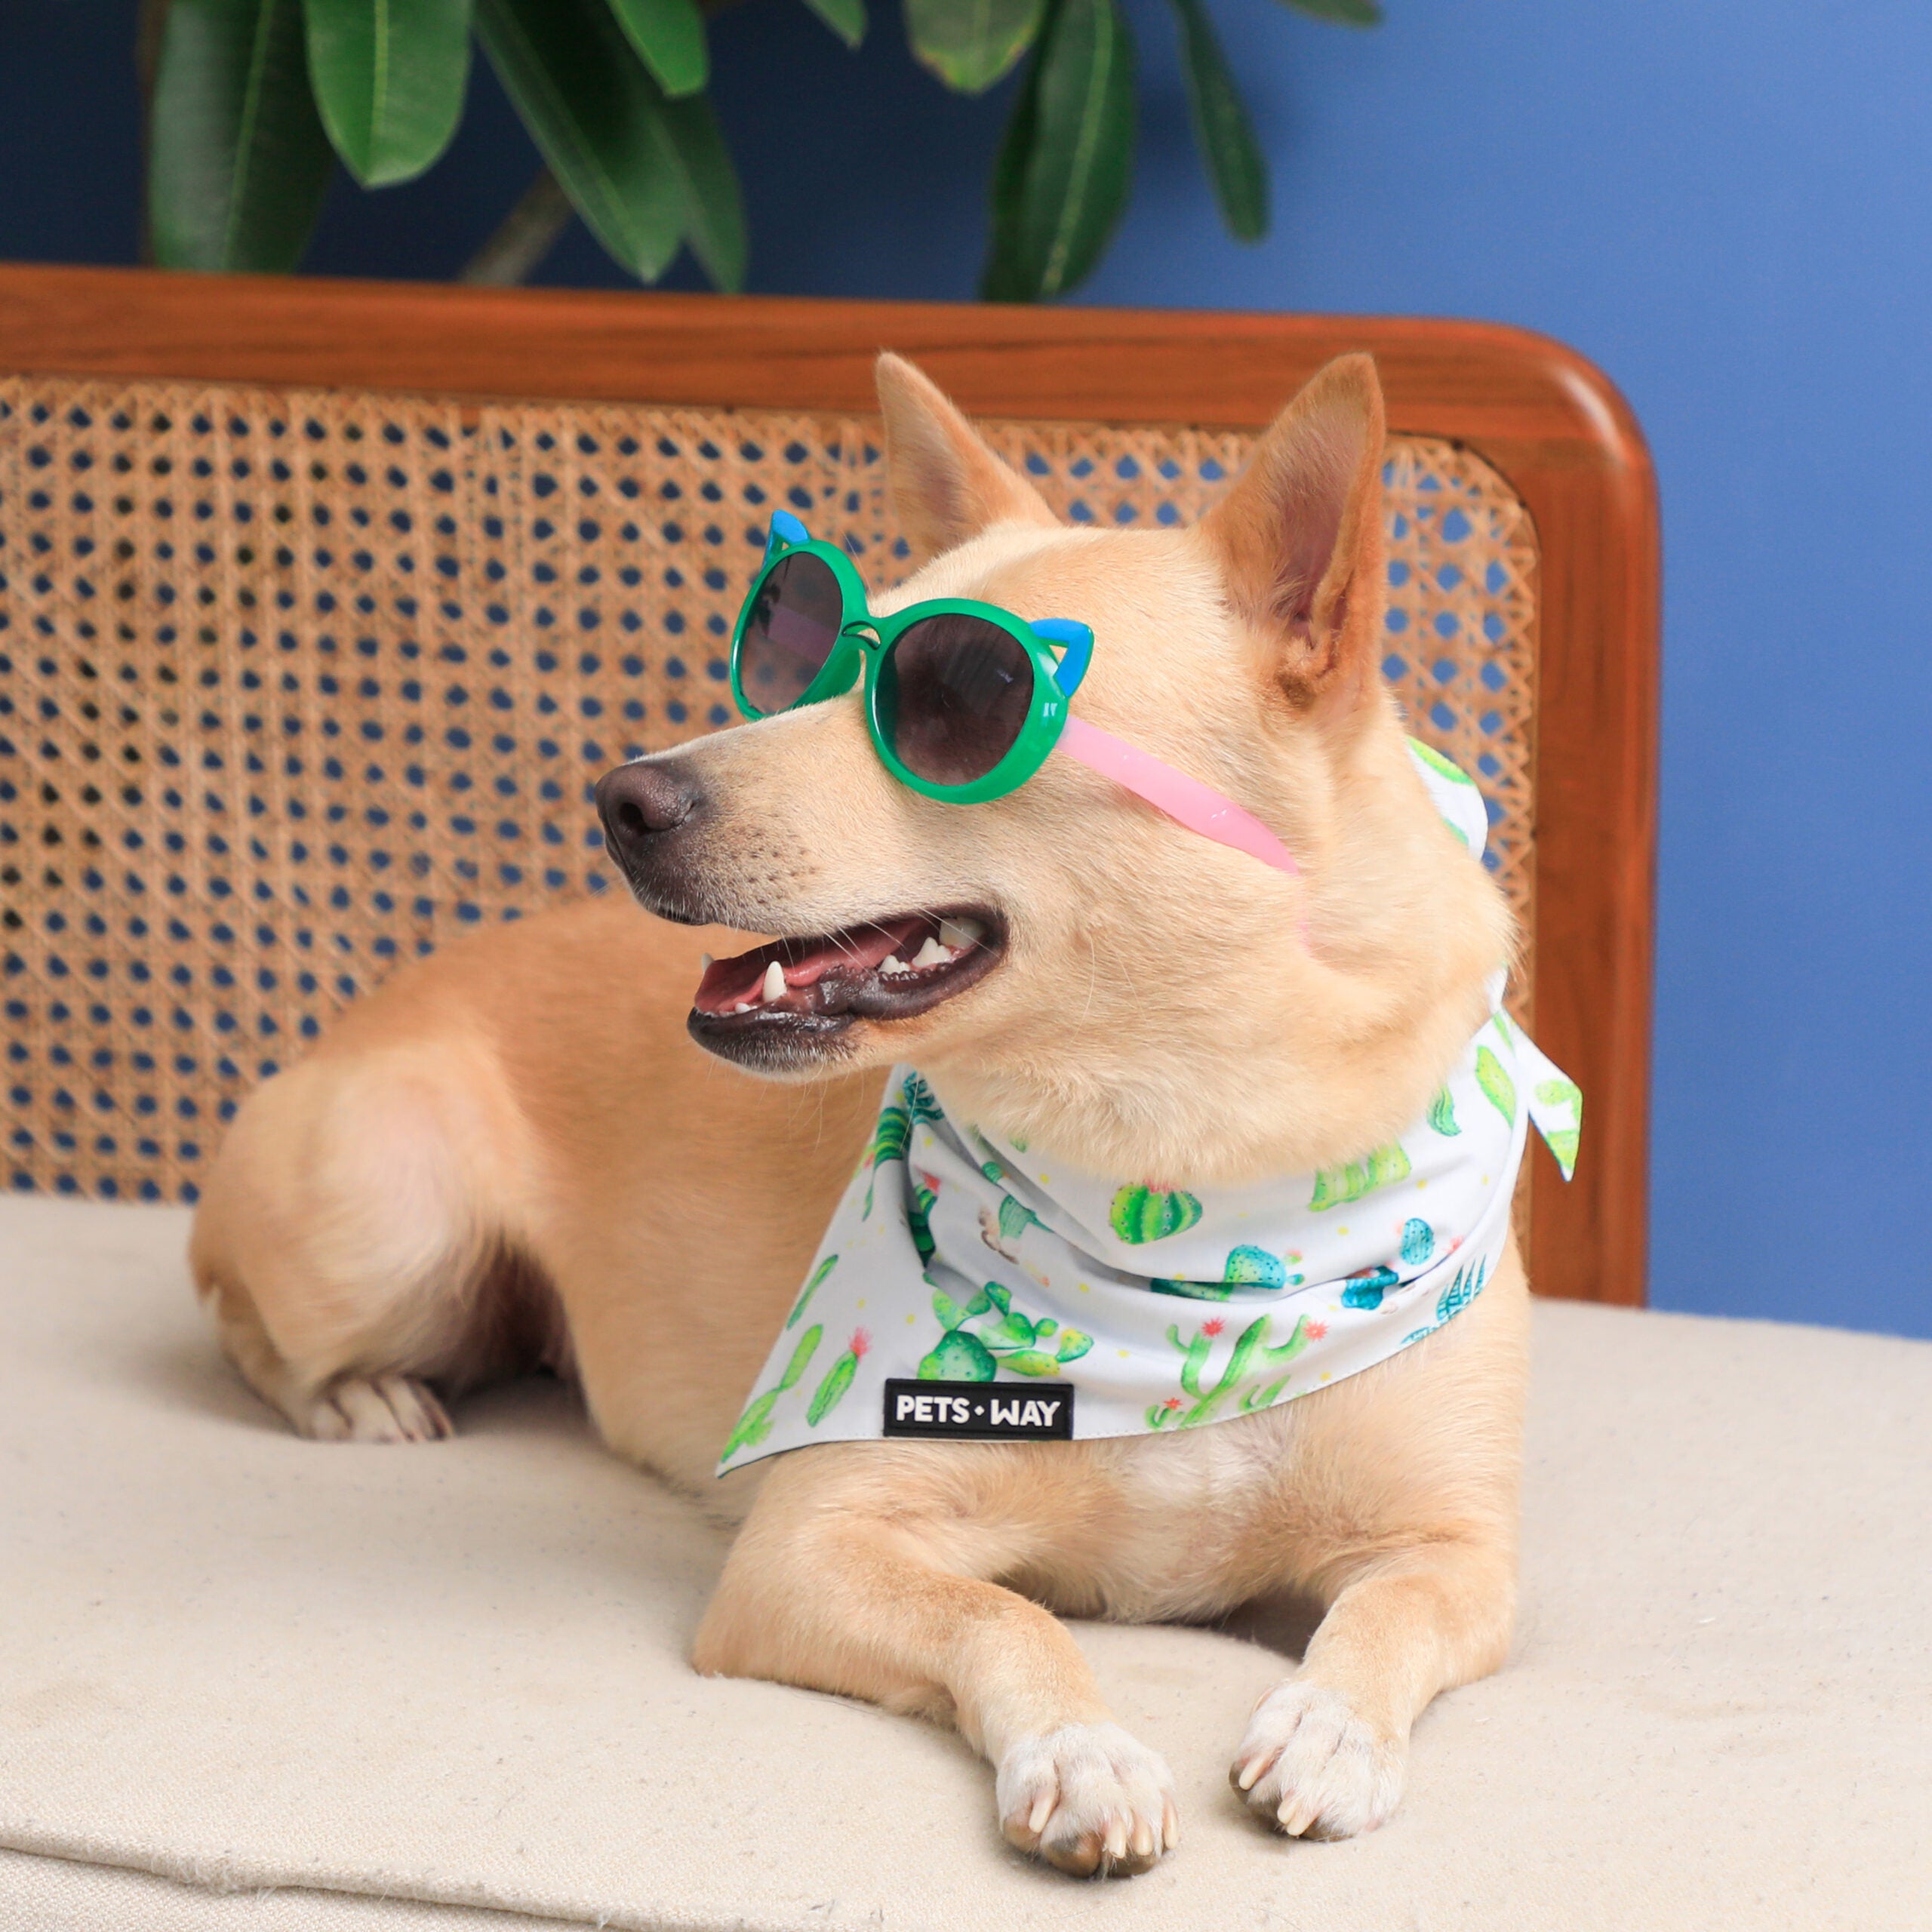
(1198, 807)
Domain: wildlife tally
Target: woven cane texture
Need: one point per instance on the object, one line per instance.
(293, 685)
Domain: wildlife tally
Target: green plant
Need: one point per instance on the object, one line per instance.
(251, 102)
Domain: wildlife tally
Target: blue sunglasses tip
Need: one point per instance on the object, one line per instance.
(787, 529)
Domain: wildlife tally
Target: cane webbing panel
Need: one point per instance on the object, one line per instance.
(291, 684)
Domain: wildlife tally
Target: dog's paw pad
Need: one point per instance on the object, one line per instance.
(1089, 1798)
(383, 1408)
(1313, 1769)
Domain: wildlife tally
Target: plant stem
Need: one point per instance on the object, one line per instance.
(524, 236)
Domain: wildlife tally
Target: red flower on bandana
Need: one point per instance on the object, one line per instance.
(1316, 1329)
(1172, 1402)
(861, 1342)
(1213, 1327)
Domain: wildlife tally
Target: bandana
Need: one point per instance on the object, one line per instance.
(966, 1288)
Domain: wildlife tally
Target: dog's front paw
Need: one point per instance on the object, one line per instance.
(383, 1408)
(1088, 1798)
(1313, 1768)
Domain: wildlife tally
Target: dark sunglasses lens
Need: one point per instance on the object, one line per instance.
(794, 622)
(954, 694)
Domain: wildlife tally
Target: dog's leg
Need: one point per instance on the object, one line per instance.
(1404, 1525)
(868, 1571)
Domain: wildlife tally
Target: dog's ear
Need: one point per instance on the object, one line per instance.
(1299, 536)
(946, 485)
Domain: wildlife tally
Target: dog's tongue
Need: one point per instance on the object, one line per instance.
(728, 983)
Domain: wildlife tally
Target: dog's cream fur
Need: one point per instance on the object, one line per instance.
(513, 1155)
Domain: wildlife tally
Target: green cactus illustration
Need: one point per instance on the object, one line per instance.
(755, 1425)
(1562, 1142)
(1336, 1187)
(1444, 767)
(838, 1378)
(1008, 1339)
(918, 1221)
(1492, 1077)
(1249, 1373)
(1015, 1218)
(1563, 1092)
(819, 1273)
(1143, 1213)
(1442, 1114)
(891, 1138)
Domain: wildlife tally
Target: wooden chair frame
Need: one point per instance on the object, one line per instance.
(1549, 421)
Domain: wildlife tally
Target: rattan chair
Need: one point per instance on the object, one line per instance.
(324, 603)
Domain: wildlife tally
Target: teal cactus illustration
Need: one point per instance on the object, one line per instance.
(1492, 1077)
(805, 1294)
(1142, 1214)
(1442, 1114)
(1460, 1292)
(1367, 1289)
(1248, 1376)
(1418, 1242)
(918, 1100)
(755, 1425)
(891, 1139)
(1248, 1267)
(1015, 1218)
(838, 1378)
(1336, 1187)
(1006, 1339)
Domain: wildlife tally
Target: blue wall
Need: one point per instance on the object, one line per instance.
(1727, 206)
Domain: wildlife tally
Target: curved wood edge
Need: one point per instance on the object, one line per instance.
(1545, 418)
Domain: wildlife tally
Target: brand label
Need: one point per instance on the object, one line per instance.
(981, 1411)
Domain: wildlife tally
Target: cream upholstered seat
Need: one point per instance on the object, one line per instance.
(454, 1676)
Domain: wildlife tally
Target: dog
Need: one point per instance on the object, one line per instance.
(513, 1155)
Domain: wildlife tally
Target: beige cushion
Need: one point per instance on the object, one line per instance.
(454, 1674)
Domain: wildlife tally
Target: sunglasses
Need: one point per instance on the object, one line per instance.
(964, 700)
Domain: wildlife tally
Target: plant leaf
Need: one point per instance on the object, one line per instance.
(593, 110)
(971, 44)
(846, 18)
(1060, 179)
(714, 224)
(1347, 13)
(240, 162)
(1221, 127)
(669, 35)
(389, 76)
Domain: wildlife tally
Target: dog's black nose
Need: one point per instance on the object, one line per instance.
(640, 803)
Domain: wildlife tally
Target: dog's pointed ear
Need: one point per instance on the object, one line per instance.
(946, 485)
(1299, 536)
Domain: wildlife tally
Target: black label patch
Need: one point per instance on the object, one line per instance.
(981, 1411)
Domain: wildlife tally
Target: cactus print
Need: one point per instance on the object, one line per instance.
(1367, 1289)
(1418, 1242)
(818, 1274)
(891, 1138)
(1442, 1114)
(1492, 1077)
(1009, 1339)
(1143, 1213)
(755, 1425)
(1336, 1187)
(838, 1378)
(1248, 1267)
(1248, 1373)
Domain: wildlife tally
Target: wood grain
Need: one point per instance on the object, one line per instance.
(1545, 418)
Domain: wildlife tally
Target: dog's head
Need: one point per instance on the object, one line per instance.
(1086, 975)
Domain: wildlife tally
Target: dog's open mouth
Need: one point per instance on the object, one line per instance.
(795, 989)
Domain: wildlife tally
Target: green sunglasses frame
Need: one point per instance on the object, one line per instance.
(865, 641)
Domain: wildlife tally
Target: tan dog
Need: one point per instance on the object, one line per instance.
(513, 1154)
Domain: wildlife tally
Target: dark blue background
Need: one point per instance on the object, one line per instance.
(1727, 206)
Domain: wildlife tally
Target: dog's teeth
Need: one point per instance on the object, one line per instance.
(743, 1006)
(774, 982)
(892, 965)
(960, 933)
(705, 958)
(930, 954)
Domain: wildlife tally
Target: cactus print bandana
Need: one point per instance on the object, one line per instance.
(957, 1257)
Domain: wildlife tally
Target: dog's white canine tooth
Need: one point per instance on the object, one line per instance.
(706, 958)
(774, 982)
(743, 1006)
(960, 933)
(930, 953)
